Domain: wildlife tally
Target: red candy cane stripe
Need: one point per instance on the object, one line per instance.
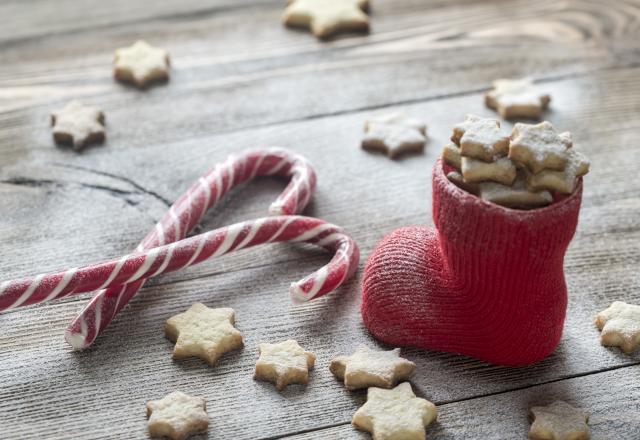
(193, 250)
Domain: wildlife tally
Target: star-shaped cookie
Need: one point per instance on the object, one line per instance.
(394, 134)
(177, 416)
(516, 196)
(203, 332)
(78, 125)
(620, 326)
(502, 170)
(141, 64)
(327, 17)
(516, 98)
(561, 181)
(559, 421)
(451, 156)
(395, 414)
(284, 363)
(368, 368)
(539, 147)
(480, 138)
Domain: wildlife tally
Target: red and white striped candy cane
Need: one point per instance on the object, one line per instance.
(187, 212)
(193, 250)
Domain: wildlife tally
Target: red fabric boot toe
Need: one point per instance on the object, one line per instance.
(488, 282)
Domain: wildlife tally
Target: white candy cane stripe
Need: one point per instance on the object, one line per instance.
(28, 292)
(64, 281)
(114, 272)
(202, 195)
(151, 258)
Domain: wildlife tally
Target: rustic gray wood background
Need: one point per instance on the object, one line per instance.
(241, 80)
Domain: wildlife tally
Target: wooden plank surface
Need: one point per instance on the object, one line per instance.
(241, 80)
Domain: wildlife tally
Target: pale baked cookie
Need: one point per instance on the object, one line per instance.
(515, 196)
(562, 181)
(480, 138)
(620, 326)
(516, 98)
(394, 134)
(177, 416)
(327, 17)
(539, 147)
(141, 64)
(78, 125)
(456, 178)
(559, 421)
(451, 156)
(368, 368)
(502, 170)
(395, 414)
(203, 332)
(284, 363)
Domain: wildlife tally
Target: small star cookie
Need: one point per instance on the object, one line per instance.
(395, 414)
(516, 98)
(284, 363)
(620, 326)
(141, 64)
(451, 156)
(177, 416)
(394, 134)
(203, 332)
(502, 170)
(515, 196)
(480, 138)
(327, 17)
(561, 181)
(539, 147)
(456, 178)
(368, 368)
(78, 125)
(559, 421)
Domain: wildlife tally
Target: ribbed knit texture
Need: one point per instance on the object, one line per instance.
(488, 283)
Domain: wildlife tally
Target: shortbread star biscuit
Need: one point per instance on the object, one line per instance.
(284, 363)
(559, 421)
(502, 170)
(561, 181)
(395, 414)
(394, 135)
(203, 332)
(141, 64)
(515, 196)
(78, 125)
(368, 368)
(620, 326)
(177, 416)
(451, 156)
(539, 147)
(516, 98)
(327, 17)
(480, 138)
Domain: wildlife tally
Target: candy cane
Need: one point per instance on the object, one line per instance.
(193, 250)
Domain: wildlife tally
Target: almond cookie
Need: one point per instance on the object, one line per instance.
(141, 64)
(516, 98)
(78, 125)
(395, 414)
(559, 421)
(620, 326)
(284, 363)
(502, 170)
(177, 416)
(480, 138)
(562, 181)
(368, 368)
(327, 17)
(203, 332)
(394, 134)
(539, 147)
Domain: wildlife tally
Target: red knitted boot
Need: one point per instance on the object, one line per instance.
(487, 283)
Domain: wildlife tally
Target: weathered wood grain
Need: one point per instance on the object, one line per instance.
(611, 398)
(240, 81)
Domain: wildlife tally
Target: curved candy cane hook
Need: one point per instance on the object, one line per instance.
(120, 284)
